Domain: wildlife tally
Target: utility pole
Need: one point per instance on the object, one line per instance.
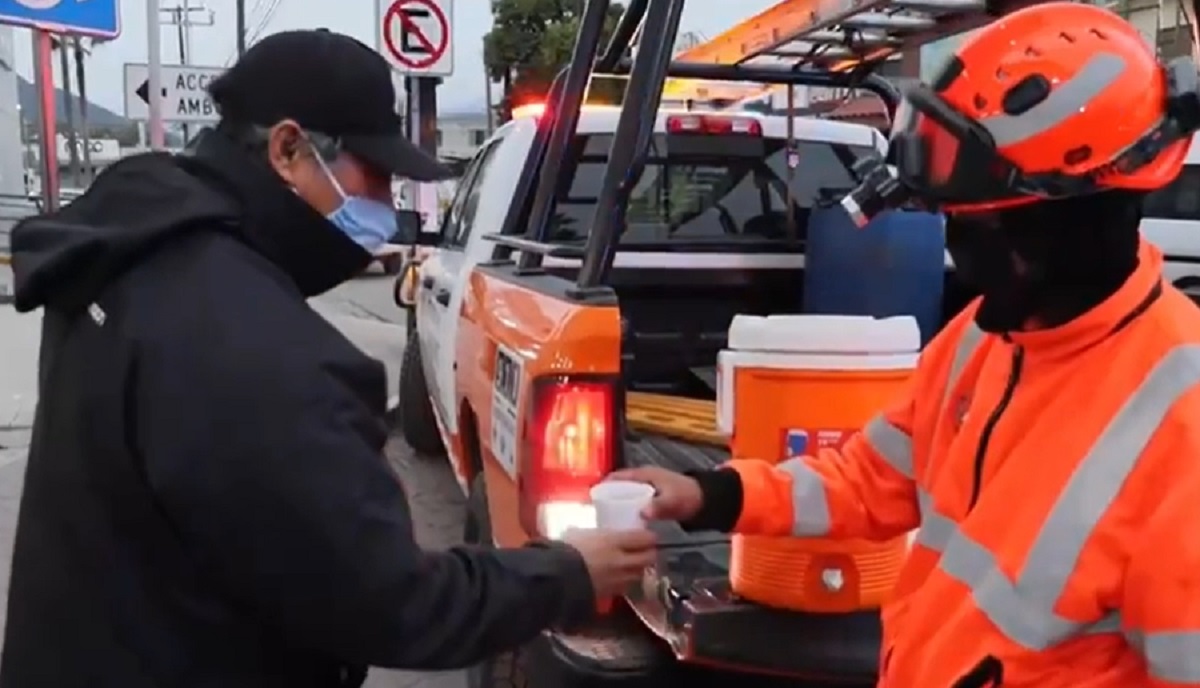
(184, 16)
(64, 66)
(85, 134)
(487, 94)
(241, 27)
(154, 123)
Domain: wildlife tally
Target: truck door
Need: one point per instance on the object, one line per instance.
(443, 279)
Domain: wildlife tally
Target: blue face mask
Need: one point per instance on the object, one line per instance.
(368, 223)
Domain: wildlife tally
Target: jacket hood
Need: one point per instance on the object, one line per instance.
(63, 260)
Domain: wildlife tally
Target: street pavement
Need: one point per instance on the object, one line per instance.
(363, 310)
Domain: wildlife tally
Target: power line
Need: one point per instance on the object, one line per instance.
(262, 24)
(242, 32)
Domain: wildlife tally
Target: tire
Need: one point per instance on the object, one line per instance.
(392, 265)
(506, 670)
(414, 410)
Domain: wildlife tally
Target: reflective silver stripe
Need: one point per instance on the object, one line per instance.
(936, 530)
(1024, 611)
(968, 342)
(1098, 478)
(810, 506)
(1172, 656)
(994, 595)
(1066, 99)
(891, 443)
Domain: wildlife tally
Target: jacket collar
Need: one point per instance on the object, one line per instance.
(1135, 295)
(274, 220)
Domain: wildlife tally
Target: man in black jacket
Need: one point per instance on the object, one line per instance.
(207, 502)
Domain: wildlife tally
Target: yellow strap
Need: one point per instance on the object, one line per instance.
(693, 420)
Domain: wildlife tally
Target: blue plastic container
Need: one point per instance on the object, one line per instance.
(893, 266)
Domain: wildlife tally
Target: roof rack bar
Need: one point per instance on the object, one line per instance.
(535, 247)
(622, 38)
(563, 112)
(895, 26)
(635, 125)
(896, 22)
(780, 75)
(864, 39)
(941, 6)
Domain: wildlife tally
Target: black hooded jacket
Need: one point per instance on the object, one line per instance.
(206, 501)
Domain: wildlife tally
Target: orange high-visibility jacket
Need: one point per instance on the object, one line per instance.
(1054, 477)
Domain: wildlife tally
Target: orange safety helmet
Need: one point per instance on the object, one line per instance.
(1057, 100)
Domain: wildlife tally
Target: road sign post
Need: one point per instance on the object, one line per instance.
(182, 91)
(154, 119)
(43, 76)
(97, 18)
(416, 36)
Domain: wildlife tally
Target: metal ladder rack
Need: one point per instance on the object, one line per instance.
(839, 35)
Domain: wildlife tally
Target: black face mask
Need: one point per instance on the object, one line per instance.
(1047, 262)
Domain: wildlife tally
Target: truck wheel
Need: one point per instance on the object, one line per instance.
(506, 670)
(392, 265)
(414, 409)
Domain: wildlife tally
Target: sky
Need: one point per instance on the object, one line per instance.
(215, 45)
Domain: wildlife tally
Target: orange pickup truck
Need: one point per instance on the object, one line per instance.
(567, 323)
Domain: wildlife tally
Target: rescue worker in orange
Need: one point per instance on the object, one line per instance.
(1047, 452)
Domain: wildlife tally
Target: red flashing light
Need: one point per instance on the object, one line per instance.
(568, 444)
(713, 124)
(534, 110)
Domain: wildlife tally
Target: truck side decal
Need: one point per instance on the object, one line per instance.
(506, 393)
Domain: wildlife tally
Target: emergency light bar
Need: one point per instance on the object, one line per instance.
(713, 124)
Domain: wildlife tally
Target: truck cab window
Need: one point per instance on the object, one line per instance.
(461, 216)
(707, 197)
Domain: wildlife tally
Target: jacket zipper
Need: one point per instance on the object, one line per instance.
(1014, 375)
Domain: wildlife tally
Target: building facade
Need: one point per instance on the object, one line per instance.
(459, 135)
(12, 171)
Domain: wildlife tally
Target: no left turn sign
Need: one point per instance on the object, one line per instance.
(416, 36)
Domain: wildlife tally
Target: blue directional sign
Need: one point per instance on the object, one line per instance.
(100, 18)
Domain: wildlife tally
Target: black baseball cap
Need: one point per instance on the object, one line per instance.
(331, 84)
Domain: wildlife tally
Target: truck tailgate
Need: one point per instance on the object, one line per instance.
(688, 602)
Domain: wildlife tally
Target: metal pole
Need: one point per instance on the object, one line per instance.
(182, 16)
(154, 80)
(427, 114)
(487, 94)
(81, 77)
(412, 117)
(793, 231)
(43, 72)
(635, 125)
(64, 66)
(241, 27)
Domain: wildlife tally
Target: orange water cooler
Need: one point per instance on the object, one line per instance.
(789, 386)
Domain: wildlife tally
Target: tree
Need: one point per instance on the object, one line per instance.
(530, 41)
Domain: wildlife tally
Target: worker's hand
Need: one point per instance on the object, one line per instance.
(677, 497)
(615, 558)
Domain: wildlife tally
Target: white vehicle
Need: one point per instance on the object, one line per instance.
(726, 235)
(1172, 222)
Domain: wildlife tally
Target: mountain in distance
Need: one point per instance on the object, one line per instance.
(98, 116)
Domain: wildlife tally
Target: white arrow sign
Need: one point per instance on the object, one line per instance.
(185, 98)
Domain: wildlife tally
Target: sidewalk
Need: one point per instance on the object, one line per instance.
(19, 335)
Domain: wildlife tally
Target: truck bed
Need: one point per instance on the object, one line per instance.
(687, 601)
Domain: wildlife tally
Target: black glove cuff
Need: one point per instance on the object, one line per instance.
(722, 505)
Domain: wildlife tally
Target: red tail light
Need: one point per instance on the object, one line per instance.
(713, 124)
(568, 444)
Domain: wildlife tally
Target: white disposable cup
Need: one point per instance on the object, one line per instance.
(619, 504)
